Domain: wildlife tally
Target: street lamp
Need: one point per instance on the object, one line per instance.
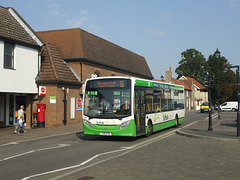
(238, 94)
(217, 54)
(162, 77)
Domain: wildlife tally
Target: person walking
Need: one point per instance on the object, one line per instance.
(20, 114)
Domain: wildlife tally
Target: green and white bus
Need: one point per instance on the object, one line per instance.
(128, 106)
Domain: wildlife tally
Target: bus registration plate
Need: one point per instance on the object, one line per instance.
(105, 133)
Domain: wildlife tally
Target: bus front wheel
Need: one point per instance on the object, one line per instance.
(149, 129)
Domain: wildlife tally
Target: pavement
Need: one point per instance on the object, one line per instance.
(7, 134)
(224, 129)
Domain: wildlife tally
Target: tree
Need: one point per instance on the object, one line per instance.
(193, 64)
(227, 78)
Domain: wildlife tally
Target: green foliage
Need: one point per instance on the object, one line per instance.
(227, 79)
(192, 65)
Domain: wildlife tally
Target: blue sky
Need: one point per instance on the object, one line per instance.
(158, 30)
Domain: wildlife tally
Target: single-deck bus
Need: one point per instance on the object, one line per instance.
(128, 106)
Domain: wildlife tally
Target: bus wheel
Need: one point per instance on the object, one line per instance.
(149, 129)
(176, 121)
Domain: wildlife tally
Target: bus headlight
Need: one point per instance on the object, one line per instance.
(124, 124)
(88, 123)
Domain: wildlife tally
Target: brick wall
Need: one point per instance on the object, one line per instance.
(54, 112)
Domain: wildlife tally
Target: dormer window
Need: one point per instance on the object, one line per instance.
(8, 55)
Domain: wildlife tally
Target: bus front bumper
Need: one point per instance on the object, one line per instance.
(110, 130)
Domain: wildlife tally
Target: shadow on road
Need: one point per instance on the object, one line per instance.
(84, 137)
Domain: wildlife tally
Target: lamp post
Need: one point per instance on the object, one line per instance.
(238, 94)
(210, 102)
(217, 54)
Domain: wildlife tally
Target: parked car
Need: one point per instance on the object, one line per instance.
(204, 107)
(229, 106)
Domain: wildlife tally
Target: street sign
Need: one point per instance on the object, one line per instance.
(42, 90)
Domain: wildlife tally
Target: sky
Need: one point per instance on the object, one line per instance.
(159, 30)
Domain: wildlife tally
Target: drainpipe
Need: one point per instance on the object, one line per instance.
(81, 69)
(65, 106)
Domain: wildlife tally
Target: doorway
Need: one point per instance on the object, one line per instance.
(140, 110)
(14, 103)
(20, 100)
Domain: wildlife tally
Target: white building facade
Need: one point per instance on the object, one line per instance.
(19, 65)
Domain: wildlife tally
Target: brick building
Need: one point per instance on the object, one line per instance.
(69, 57)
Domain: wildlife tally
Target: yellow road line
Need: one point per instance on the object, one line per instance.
(153, 139)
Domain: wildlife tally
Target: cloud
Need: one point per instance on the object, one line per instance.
(233, 3)
(94, 29)
(83, 12)
(77, 22)
(54, 13)
(155, 33)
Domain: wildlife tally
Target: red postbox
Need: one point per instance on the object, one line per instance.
(41, 115)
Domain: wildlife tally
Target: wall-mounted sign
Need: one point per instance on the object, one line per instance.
(53, 99)
(42, 90)
(79, 104)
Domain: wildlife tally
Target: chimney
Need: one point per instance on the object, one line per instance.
(169, 76)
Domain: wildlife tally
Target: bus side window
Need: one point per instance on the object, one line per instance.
(157, 102)
(149, 103)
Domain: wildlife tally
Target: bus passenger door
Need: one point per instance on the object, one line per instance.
(139, 113)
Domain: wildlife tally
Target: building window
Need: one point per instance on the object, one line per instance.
(8, 55)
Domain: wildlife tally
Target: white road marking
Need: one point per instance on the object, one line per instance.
(37, 150)
(7, 144)
(81, 165)
(71, 167)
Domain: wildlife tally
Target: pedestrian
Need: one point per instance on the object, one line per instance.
(21, 125)
(20, 114)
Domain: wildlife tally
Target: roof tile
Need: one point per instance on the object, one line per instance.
(12, 30)
(77, 43)
(54, 69)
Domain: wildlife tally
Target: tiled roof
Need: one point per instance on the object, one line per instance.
(11, 29)
(191, 80)
(79, 44)
(54, 69)
(187, 84)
